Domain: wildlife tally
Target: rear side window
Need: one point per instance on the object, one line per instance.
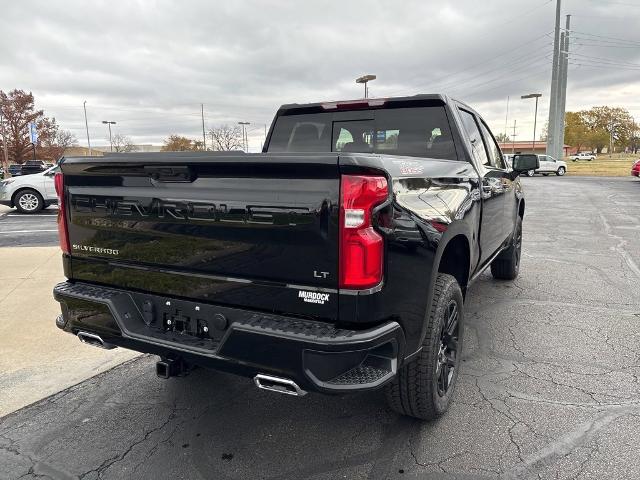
(495, 156)
(414, 131)
(471, 127)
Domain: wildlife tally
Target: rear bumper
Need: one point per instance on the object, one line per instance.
(318, 356)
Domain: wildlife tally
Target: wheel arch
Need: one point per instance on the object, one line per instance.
(455, 260)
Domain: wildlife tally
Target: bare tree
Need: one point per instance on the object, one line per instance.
(122, 144)
(226, 138)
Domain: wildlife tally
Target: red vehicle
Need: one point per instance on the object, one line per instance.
(635, 170)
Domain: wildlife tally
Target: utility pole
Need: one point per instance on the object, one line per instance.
(562, 89)
(204, 137)
(86, 124)
(513, 139)
(610, 138)
(551, 139)
(506, 117)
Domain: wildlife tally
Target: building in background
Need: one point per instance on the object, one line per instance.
(527, 147)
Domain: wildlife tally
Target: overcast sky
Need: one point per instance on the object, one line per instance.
(150, 64)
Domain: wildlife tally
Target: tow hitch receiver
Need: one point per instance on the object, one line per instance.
(170, 367)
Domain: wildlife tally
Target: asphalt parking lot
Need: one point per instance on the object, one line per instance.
(34, 230)
(549, 386)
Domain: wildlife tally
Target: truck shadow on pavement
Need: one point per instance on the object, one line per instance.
(126, 423)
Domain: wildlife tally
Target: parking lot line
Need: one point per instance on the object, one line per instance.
(27, 231)
(20, 215)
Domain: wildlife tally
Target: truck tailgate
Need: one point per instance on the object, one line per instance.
(231, 229)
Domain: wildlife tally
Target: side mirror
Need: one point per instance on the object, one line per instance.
(525, 162)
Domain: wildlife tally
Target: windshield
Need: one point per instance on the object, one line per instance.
(420, 132)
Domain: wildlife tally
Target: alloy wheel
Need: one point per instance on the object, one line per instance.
(28, 202)
(448, 351)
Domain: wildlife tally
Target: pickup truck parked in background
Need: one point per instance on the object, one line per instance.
(548, 165)
(335, 261)
(588, 156)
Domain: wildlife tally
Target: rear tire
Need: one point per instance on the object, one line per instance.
(28, 201)
(530, 173)
(507, 265)
(424, 386)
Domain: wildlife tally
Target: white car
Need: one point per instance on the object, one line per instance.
(29, 193)
(588, 156)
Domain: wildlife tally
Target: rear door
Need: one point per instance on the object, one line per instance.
(546, 163)
(499, 168)
(492, 233)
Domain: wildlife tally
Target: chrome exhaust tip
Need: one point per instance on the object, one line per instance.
(279, 385)
(94, 340)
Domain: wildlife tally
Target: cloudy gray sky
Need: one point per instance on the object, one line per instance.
(150, 64)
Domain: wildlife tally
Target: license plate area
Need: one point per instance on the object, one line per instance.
(183, 322)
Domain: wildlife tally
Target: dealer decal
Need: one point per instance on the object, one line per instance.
(313, 297)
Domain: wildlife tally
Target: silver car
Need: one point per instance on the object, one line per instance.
(29, 193)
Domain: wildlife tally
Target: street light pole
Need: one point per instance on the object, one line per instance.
(4, 144)
(365, 79)
(204, 138)
(245, 140)
(535, 116)
(86, 124)
(109, 123)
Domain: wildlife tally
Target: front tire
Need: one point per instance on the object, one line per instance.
(561, 171)
(29, 201)
(507, 265)
(424, 386)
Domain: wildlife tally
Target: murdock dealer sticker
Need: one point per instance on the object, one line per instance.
(313, 297)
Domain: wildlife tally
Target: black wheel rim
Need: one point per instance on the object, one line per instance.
(517, 244)
(448, 349)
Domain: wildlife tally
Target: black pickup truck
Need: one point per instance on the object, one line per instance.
(335, 261)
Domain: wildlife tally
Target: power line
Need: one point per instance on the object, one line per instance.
(484, 62)
(532, 64)
(603, 60)
(615, 39)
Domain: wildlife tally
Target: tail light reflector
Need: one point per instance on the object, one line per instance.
(63, 232)
(361, 247)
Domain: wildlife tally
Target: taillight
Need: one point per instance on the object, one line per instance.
(361, 247)
(63, 232)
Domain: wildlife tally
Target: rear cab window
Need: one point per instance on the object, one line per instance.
(410, 131)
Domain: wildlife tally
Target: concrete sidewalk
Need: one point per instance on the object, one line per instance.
(36, 358)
